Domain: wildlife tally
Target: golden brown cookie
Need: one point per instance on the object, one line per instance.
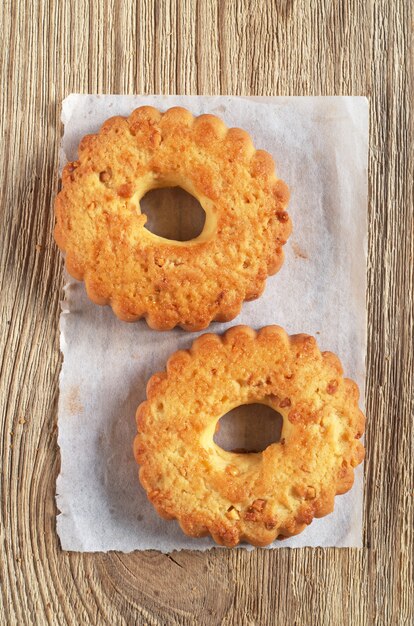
(101, 228)
(255, 497)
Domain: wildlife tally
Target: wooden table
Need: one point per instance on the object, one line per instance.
(282, 47)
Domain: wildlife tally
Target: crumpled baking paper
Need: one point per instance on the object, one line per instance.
(320, 147)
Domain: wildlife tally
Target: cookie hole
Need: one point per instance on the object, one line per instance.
(249, 428)
(173, 213)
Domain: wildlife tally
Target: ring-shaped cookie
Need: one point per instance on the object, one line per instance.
(254, 497)
(102, 230)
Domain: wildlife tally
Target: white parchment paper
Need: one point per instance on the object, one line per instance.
(320, 147)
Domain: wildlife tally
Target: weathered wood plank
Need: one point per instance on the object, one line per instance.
(52, 48)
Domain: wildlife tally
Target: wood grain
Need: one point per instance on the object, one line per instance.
(277, 47)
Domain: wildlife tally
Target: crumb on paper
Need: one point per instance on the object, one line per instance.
(73, 403)
(299, 253)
